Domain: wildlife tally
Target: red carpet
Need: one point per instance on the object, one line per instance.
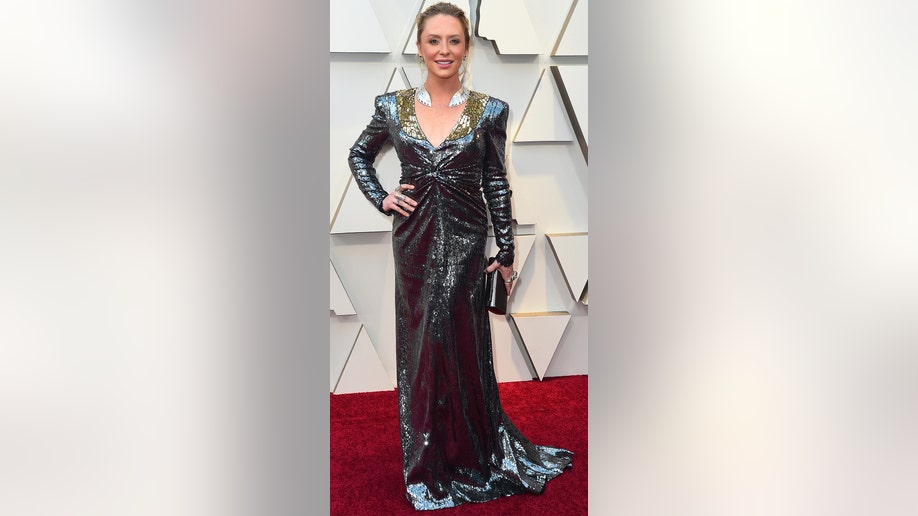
(366, 463)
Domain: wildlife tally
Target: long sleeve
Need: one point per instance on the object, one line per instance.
(496, 187)
(363, 154)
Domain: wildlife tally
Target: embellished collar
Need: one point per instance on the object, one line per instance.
(471, 115)
(458, 98)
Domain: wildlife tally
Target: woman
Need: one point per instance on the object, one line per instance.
(458, 445)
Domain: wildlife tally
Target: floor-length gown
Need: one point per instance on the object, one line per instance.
(458, 444)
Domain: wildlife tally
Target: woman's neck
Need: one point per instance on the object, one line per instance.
(442, 91)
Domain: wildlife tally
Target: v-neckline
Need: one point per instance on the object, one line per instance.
(414, 109)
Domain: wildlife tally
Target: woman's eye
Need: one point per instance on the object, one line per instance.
(455, 41)
(433, 42)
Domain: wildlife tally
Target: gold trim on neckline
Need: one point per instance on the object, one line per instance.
(468, 120)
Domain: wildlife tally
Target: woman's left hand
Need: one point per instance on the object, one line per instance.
(506, 272)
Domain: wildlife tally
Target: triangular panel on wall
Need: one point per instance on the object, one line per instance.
(521, 252)
(573, 40)
(545, 119)
(507, 24)
(339, 301)
(395, 82)
(355, 28)
(337, 195)
(571, 251)
(540, 333)
(363, 371)
(343, 332)
(411, 45)
(510, 362)
(356, 215)
(572, 82)
(411, 75)
(361, 84)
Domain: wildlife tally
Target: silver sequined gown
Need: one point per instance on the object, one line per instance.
(458, 445)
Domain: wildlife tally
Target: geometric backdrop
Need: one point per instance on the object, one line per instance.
(532, 54)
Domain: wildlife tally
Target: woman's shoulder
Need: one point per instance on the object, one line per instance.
(395, 99)
(390, 103)
(492, 105)
(389, 97)
(490, 99)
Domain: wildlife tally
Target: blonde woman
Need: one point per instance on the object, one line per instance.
(458, 444)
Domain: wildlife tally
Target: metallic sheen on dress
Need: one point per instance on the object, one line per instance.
(457, 443)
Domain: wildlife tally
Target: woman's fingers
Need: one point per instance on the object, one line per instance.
(406, 200)
(399, 202)
(506, 273)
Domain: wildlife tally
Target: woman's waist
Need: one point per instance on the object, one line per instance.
(425, 188)
(461, 175)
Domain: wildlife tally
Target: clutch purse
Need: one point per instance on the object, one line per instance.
(495, 291)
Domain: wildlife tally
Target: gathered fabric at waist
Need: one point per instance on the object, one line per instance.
(466, 177)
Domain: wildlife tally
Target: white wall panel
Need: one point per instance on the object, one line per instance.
(395, 81)
(576, 79)
(364, 262)
(572, 355)
(574, 40)
(570, 249)
(363, 371)
(545, 119)
(340, 302)
(549, 180)
(343, 332)
(548, 20)
(510, 365)
(411, 76)
(365, 34)
(356, 215)
(523, 247)
(397, 20)
(354, 85)
(550, 186)
(540, 334)
(506, 23)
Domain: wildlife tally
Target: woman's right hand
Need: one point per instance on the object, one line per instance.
(399, 202)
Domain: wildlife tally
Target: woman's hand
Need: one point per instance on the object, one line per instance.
(506, 272)
(399, 202)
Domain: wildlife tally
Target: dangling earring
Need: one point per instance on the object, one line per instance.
(462, 66)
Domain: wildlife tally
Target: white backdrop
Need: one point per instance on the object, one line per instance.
(372, 51)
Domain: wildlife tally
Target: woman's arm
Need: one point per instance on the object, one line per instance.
(497, 189)
(363, 155)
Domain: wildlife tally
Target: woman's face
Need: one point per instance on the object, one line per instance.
(443, 46)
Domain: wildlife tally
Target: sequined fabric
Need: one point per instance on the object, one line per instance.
(458, 444)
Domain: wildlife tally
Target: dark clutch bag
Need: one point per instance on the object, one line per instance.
(495, 291)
